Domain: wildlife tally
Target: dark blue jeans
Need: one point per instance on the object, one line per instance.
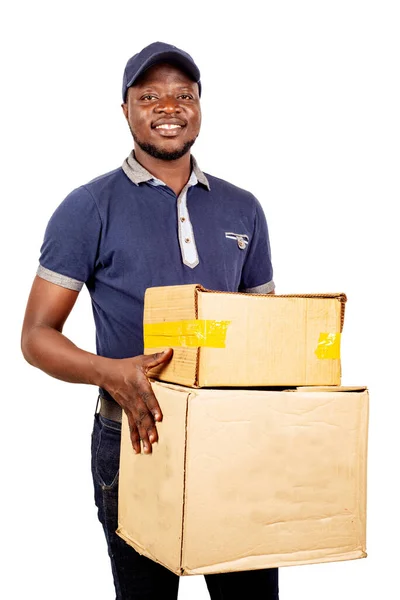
(135, 576)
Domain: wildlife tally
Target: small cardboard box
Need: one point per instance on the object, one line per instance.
(241, 340)
(248, 479)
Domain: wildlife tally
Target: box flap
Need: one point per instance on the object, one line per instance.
(250, 563)
(330, 388)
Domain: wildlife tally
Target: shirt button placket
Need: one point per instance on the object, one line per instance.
(188, 247)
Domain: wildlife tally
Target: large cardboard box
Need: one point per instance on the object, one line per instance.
(242, 340)
(247, 479)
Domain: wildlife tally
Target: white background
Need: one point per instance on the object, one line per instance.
(301, 106)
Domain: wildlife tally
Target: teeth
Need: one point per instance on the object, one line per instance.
(168, 126)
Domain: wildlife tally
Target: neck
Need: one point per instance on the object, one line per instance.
(174, 173)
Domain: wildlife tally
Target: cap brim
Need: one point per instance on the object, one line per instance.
(170, 56)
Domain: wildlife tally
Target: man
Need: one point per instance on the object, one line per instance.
(158, 220)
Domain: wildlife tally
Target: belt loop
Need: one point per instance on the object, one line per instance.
(97, 409)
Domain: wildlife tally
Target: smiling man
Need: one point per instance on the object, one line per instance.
(157, 220)
(160, 129)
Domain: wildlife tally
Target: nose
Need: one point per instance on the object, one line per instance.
(169, 105)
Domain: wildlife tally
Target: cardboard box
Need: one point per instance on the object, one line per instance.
(242, 340)
(248, 479)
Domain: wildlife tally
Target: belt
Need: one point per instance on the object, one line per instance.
(109, 409)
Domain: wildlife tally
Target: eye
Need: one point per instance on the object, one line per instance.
(148, 97)
(186, 96)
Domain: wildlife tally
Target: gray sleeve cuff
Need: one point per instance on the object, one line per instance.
(62, 280)
(265, 288)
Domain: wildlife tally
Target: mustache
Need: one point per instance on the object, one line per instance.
(162, 154)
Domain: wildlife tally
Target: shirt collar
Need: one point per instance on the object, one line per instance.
(138, 174)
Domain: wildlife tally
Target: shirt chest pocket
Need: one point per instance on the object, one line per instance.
(242, 239)
(224, 251)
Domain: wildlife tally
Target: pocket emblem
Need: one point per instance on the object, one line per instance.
(241, 238)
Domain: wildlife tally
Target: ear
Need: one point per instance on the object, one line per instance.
(124, 107)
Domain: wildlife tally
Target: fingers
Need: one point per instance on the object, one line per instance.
(135, 438)
(135, 395)
(142, 432)
(142, 417)
(153, 360)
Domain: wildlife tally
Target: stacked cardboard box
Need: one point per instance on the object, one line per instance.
(262, 455)
(243, 340)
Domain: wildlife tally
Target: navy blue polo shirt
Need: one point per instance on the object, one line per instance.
(126, 231)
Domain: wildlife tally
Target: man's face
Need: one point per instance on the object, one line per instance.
(163, 112)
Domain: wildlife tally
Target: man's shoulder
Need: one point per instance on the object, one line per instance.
(101, 189)
(105, 180)
(229, 190)
(98, 191)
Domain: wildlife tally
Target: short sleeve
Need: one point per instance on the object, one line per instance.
(257, 273)
(69, 250)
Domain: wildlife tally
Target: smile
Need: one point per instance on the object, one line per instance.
(168, 126)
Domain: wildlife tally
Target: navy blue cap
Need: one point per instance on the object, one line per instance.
(156, 53)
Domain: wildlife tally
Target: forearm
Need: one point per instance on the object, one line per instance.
(49, 350)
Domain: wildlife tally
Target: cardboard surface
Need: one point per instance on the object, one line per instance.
(270, 340)
(152, 491)
(248, 479)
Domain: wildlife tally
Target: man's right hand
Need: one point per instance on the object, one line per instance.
(126, 381)
(45, 346)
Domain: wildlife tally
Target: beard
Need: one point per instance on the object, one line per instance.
(161, 154)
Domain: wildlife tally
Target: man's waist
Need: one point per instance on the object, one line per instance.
(109, 409)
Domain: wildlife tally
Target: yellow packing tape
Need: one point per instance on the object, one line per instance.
(328, 345)
(191, 333)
